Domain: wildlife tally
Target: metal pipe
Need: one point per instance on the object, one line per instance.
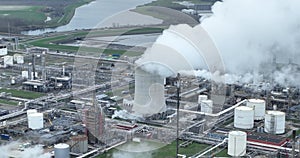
(217, 114)
(177, 118)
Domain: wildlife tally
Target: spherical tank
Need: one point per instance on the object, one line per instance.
(207, 106)
(259, 107)
(243, 117)
(202, 97)
(275, 122)
(61, 151)
(237, 142)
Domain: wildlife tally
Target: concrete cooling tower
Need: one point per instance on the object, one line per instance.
(179, 48)
(149, 93)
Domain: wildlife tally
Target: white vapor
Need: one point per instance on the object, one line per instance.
(247, 35)
(32, 152)
(249, 32)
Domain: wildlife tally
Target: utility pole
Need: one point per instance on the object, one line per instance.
(178, 103)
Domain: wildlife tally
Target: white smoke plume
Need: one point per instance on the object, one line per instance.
(249, 32)
(247, 35)
(31, 152)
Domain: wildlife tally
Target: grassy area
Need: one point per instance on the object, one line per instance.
(172, 5)
(25, 14)
(222, 153)
(54, 42)
(21, 15)
(22, 94)
(8, 102)
(69, 13)
(168, 151)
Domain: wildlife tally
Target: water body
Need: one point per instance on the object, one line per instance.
(90, 15)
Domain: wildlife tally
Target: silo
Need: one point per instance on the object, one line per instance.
(202, 97)
(275, 122)
(237, 143)
(8, 60)
(61, 151)
(79, 144)
(207, 106)
(3, 50)
(25, 74)
(259, 107)
(149, 93)
(243, 117)
(35, 121)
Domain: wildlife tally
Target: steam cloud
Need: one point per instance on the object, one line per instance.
(247, 34)
(32, 152)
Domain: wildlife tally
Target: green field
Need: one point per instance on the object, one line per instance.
(172, 5)
(222, 153)
(22, 94)
(53, 43)
(8, 102)
(19, 15)
(23, 14)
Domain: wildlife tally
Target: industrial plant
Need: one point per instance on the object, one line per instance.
(190, 93)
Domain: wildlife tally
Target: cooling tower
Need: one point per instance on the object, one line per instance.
(149, 93)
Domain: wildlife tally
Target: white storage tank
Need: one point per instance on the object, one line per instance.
(35, 121)
(243, 117)
(274, 122)
(207, 106)
(19, 59)
(259, 107)
(3, 50)
(202, 97)
(237, 143)
(61, 150)
(8, 60)
(25, 74)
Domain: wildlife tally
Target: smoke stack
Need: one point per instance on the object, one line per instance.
(44, 66)
(63, 70)
(149, 93)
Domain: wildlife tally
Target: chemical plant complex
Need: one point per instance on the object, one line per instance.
(60, 103)
(69, 118)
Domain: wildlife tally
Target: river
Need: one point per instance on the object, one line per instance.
(90, 15)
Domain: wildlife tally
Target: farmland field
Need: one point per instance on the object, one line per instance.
(20, 15)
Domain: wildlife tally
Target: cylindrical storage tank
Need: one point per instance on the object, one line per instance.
(259, 107)
(61, 151)
(243, 117)
(8, 60)
(25, 74)
(149, 93)
(3, 50)
(31, 111)
(274, 122)
(35, 121)
(202, 97)
(79, 144)
(237, 142)
(207, 106)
